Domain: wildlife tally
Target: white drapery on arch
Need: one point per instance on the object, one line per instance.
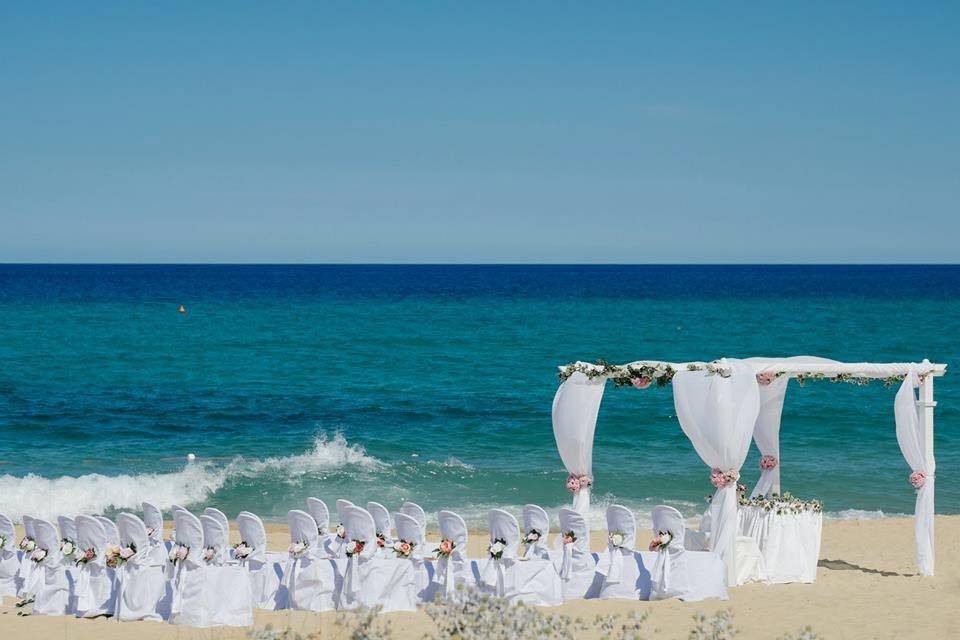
(910, 437)
(718, 414)
(575, 408)
(766, 433)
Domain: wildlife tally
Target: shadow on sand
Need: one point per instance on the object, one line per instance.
(843, 565)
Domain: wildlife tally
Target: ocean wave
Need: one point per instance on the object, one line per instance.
(859, 514)
(194, 484)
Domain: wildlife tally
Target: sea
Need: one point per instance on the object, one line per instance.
(434, 383)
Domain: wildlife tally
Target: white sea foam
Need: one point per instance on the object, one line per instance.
(195, 483)
(859, 514)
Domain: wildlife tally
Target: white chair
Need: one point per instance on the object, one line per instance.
(29, 576)
(748, 556)
(668, 577)
(409, 531)
(205, 593)
(382, 521)
(416, 512)
(371, 580)
(337, 542)
(9, 561)
(309, 579)
(68, 529)
(535, 520)
(456, 568)
(533, 582)
(677, 572)
(215, 538)
(153, 519)
(93, 589)
(174, 510)
(577, 567)
(141, 587)
(619, 565)
(110, 528)
(220, 517)
(321, 514)
(52, 597)
(264, 574)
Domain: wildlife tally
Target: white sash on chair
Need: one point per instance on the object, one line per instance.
(351, 577)
(660, 573)
(445, 576)
(566, 565)
(614, 565)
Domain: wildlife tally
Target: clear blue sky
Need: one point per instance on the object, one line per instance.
(478, 132)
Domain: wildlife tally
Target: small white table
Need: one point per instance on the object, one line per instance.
(789, 543)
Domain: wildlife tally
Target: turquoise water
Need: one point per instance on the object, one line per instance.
(435, 383)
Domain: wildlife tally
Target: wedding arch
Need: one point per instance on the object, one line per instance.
(723, 404)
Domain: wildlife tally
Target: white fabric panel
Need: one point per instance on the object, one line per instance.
(789, 543)
(214, 535)
(264, 575)
(718, 415)
(53, 591)
(575, 408)
(153, 518)
(220, 517)
(9, 561)
(409, 530)
(93, 587)
(577, 567)
(534, 517)
(416, 512)
(910, 437)
(110, 528)
(668, 576)
(706, 575)
(309, 581)
(766, 433)
(318, 509)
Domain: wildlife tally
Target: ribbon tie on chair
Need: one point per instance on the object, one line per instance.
(614, 568)
(660, 573)
(493, 574)
(84, 600)
(351, 578)
(566, 565)
(445, 576)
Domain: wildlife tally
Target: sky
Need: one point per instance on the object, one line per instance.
(479, 132)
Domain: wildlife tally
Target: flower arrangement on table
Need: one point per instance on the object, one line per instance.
(298, 549)
(782, 504)
(445, 548)
(569, 537)
(496, 548)
(660, 541)
(86, 556)
(616, 538)
(178, 553)
(575, 482)
(533, 537)
(27, 544)
(210, 554)
(355, 547)
(403, 548)
(242, 550)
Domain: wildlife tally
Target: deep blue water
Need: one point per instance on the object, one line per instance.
(435, 382)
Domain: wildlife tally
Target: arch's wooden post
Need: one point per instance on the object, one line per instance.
(925, 404)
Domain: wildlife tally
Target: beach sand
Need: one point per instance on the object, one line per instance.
(865, 588)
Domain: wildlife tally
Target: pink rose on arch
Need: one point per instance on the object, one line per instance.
(573, 483)
(640, 382)
(917, 478)
(585, 481)
(720, 479)
(768, 462)
(765, 378)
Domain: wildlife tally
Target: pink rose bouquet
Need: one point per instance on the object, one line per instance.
(572, 483)
(660, 541)
(720, 479)
(768, 462)
(446, 547)
(765, 378)
(585, 481)
(917, 478)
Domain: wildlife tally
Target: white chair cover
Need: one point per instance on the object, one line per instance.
(214, 535)
(264, 575)
(110, 529)
(68, 528)
(533, 582)
(174, 509)
(53, 592)
(381, 520)
(30, 575)
(416, 512)
(668, 577)
(220, 517)
(718, 415)
(93, 589)
(535, 518)
(318, 509)
(206, 594)
(575, 408)
(910, 437)
(577, 567)
(751, 566)
(408, 530)
(141, 589)
(9, 561)
(309, 580)
(336, 543)
(619, 566)
(371, 580)
(455, 569)
(153, 518)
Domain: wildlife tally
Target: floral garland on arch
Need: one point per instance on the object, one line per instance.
(575, 482)
(641, 375)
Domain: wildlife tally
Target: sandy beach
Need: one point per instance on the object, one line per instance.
(865, 588)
